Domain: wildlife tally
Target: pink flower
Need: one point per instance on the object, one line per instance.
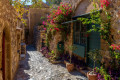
(45, 29)
(104, 3)
(58, 7)
(57, 29)
(51, 29)
(52, 21)
(112, 45)
(44, 23)
(63, 5)
(48, 16)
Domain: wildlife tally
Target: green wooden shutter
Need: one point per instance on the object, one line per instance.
(93, 43)
(80, 51)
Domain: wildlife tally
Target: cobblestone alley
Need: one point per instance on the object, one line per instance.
(37, 67)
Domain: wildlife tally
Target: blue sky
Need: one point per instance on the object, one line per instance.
(44, 0)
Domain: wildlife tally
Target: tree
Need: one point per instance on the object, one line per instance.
(19, 7)
(50, 2)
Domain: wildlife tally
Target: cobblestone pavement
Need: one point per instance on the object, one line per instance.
(37, 67)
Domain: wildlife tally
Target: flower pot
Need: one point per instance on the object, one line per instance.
(92, 76)
(65, 62)
(70, 67)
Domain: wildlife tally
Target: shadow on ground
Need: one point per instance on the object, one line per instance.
(30, 48)
(23, 65)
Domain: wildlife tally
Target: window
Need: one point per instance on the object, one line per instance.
(79, 33)
(83, 34)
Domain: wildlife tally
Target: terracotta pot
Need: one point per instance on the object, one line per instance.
(92, 76)
(65, 62)
(70, 67)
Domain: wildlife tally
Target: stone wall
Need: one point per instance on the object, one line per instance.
(84, 6)
(35, 15)
(55, 39)
(80, 6)
(37, 38)
(114, 11)
(8, 24)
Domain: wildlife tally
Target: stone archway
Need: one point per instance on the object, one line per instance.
(6, 54)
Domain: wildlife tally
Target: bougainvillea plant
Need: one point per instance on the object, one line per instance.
(111, 72)
(54, 21)
(62, 14)
(104, 3)
(116, 51)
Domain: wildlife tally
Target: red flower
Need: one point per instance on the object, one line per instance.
(45, 29)
(51, 29)
(117, 47)
(57, 29)
(44, 23)
(52, 21)
(104, 3)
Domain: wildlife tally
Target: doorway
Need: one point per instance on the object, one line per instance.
(3, 56)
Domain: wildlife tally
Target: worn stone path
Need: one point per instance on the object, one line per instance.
(37, 67)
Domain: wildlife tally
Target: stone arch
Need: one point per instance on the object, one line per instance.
(7, 55)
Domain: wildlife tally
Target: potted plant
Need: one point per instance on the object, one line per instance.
(95, 56)
(70, 65)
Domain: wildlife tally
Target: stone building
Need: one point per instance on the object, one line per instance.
(10, 39)
(35, 18)
(77, 37)
(82, 8)
(39, 37)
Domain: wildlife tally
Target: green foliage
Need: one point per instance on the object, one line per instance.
(71, 48)
(53, 55)
(51, 2)
(96, 19)
(104, 73)
(95, 56)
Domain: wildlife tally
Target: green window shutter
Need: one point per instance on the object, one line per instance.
(93, 43)
(80, 51)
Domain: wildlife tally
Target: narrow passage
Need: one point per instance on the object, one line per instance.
(37, 67)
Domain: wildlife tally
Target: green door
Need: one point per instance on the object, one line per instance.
(93, 42)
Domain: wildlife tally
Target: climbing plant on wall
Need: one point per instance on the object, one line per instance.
(20, 5)
(61, 14)
(96, 19)
(103, 18)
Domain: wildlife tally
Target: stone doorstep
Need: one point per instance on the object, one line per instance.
(55, 62)
(84, 71)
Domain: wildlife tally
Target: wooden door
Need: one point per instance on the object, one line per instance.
(3, 56)
(93, 43)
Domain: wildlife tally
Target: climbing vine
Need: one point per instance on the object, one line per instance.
(96, 19)
(103, 19)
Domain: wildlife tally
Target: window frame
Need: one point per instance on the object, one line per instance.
(80, 38)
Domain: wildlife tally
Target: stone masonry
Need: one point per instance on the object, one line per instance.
(8, 24)
(37, 67)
